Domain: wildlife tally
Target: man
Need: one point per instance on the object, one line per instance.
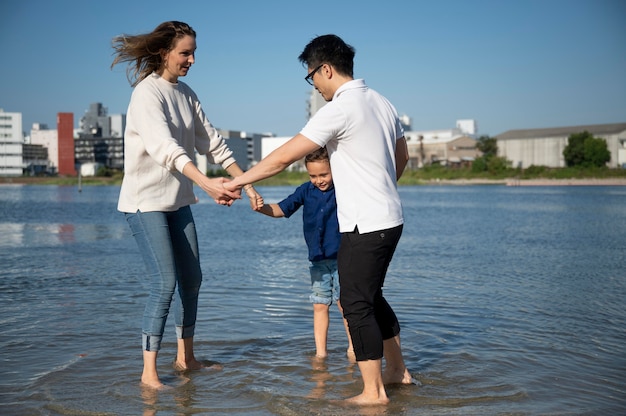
(368, 153)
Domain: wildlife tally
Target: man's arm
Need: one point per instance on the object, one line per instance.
(256, 200)
(277, 161)
(402, 156)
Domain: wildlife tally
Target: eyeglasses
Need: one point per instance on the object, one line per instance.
(309, 78)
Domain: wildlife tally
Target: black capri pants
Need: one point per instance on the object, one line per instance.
(362, 262)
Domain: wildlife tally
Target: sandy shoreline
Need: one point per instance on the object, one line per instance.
(532, 182)
(567, 182)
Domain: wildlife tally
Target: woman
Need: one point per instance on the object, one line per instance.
(165, 123)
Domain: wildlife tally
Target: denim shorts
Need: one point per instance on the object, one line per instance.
(324, 281)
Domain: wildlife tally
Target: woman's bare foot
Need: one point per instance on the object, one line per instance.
(152, 383)
(321, 357)
(364, 400)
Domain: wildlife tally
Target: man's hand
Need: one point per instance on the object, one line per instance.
(215, 188)
(232, 186)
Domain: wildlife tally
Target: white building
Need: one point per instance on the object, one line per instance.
(11, 144)
(406, 121)
(270, 144)
(315, 102)
(444, 146)
(118, 124)
(468, 127)
(246, 148)
(49, 138)
(544, 147)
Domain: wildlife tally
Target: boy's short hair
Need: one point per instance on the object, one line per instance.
(320, 155)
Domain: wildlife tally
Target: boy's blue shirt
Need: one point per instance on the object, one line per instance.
(319, 218)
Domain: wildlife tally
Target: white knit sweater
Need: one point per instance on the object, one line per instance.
(164, 123)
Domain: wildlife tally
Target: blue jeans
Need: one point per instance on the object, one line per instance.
(168, 243)
(324, 281)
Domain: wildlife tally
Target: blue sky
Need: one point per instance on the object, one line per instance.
(507, 64)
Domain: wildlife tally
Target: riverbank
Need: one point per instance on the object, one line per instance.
(89, 181)
(58, 180)
(567, 182)
(531, 182)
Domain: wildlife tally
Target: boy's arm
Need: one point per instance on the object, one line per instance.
(272, 210)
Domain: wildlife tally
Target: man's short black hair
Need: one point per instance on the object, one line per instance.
(329, 49)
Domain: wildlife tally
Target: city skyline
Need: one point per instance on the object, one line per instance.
(508, 65)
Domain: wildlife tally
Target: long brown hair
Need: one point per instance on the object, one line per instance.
(143, 52)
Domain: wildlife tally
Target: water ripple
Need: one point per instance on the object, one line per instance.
(510, 302)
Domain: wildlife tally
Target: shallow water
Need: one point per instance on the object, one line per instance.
(511, 302)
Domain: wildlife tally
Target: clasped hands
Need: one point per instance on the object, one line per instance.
(225, 192)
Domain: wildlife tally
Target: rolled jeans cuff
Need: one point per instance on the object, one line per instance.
(185, 331)
(151, 342)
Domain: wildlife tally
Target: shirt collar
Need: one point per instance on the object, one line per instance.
(350, 85)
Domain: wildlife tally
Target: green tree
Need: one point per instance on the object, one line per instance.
(586, 151)
(487, 145)
(574, 152)
(479, 164)
(596, 152)
(489, 161)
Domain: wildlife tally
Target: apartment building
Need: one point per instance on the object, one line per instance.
(11, 141)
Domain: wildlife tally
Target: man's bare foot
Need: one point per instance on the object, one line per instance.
(398, 377)
(194, 365)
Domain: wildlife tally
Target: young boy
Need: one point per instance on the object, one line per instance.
(321, 232)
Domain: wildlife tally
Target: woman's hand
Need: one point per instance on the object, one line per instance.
(214, 187)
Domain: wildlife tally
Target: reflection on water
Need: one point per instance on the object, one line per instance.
(47, 234)
(510, 300)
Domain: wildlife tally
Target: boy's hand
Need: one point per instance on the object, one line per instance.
(256, 200)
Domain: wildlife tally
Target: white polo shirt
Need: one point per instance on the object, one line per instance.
(360, 128)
